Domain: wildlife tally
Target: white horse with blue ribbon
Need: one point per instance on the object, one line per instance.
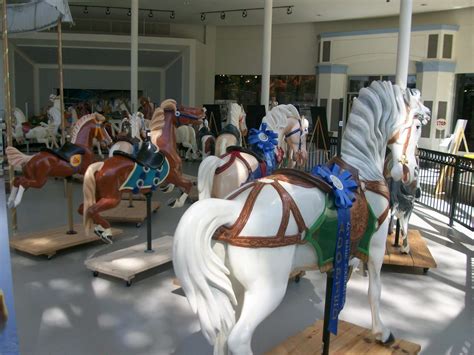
(267, 228)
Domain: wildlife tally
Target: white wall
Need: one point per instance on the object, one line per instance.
(294, 47)
(173, 81)
(24, 91)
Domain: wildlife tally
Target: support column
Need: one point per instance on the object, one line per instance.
(61, 81)
(267, 53)
(134, 57)
(403, 49)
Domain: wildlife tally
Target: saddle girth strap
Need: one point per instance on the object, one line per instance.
(233, 156)
(380, 188)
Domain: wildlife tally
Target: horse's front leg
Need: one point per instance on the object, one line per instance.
(103, 229)
(405, 217)
(22, 185)
(175, 177)
(376, 254)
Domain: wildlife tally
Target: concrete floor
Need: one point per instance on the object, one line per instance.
(62, 309)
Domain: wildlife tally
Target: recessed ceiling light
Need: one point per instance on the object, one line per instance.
(423, 4)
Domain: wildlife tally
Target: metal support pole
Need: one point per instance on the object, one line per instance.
(397, 234)
(267, 53)
(134, 57)
(130, 200)
(148, 222)
(403, 49)
(454, 190)
(327, 316)
(61, 81)
(70, 218)
(340, 127)
(7, 104)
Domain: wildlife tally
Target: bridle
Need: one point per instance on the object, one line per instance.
(189, 116)
(295, 131)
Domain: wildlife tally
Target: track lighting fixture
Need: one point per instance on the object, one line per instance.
(150, 14)
(86, 11)
(222, 15)
(244, 13)
(107, 11)
(172, 16)
(289, 10)
(129, 13)
(203, 16)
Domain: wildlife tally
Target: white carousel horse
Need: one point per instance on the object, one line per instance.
(133, 127)
(382, 115)
(47, 133)
(206, 140)
(218, 176)
(18, 119)
(186, 136)
(233, 130)
(403, 196)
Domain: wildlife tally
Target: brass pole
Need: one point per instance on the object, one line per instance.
(61, 81)
(7, 103)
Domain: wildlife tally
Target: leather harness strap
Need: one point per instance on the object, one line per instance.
(380, 188)
(233, 155)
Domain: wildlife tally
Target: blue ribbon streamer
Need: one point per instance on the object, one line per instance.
(343, 186)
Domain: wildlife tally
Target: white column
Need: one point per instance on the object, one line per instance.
(134, 57)
(403, 51)
(267, 53)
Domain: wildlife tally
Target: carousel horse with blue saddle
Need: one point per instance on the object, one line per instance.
(157, 162)
(72, 158)
(282, 130)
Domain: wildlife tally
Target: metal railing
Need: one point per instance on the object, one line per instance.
(446, 180)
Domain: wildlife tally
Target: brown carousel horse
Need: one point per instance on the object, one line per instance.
(143, 172)
(72, 158)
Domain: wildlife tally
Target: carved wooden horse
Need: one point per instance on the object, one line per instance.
(72, 158)
(105, 181)
(233, 131)
(267, 228)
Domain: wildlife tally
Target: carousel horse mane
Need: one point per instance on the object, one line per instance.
(372, 117)
(158, 119)
(82, 121)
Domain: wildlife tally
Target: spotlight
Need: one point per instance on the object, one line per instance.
(172, 16)
(203, 16)
(86, 11)
(244, 13)
(222, 15)
(150, 14)
(129, 13)
(289, 10)
(107, 10)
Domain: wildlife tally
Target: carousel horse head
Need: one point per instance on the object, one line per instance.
(404, 142)
(91, 127)
(184, 115)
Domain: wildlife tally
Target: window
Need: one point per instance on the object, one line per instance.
(447, 46)
(432, 46)
(326, 51)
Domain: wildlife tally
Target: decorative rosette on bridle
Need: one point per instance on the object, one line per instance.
(343, 186)
(263, 141)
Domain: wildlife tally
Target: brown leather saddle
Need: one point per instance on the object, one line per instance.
(66, 152)
(148, 156)
(359, 210)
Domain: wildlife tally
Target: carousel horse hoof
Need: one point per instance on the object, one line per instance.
(95, 273)
(100, 232)
(405, 250)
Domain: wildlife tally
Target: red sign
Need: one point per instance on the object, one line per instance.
(441, 124)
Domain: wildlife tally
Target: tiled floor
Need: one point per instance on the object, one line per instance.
(62, 309)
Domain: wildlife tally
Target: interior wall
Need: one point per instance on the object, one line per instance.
(148, 82)
(24, 91)
(294, 46)
(174, 81)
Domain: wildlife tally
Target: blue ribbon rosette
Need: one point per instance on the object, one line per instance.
(343, 186)
(264, 141)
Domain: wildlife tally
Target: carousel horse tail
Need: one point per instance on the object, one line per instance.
(202, 272)
(88, 190)
(17, 158)
(206, 174)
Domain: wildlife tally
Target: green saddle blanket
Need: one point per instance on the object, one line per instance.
(322, 236)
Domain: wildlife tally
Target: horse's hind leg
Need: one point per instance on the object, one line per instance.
(103, 229)
(265, 284)
(177, 179)
(377, 251)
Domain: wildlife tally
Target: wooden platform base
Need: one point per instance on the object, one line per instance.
(419, 255)
(124, 213)
(351, 339)
(127, 263)
(49, 242)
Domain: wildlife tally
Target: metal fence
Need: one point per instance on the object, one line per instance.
(447, 181)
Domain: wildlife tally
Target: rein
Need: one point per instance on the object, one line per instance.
(296, 130)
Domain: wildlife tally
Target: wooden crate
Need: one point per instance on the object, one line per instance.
(49, 242)
(419, 255)
(351, 339)
(124, 213)
(127, 263)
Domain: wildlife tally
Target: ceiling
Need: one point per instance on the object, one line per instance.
(98, 56)
(188, 11)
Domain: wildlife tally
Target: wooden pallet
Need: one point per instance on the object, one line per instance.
(351, 339)
(419, 255)
(49, 242)
(127, 263)
(124, 213)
